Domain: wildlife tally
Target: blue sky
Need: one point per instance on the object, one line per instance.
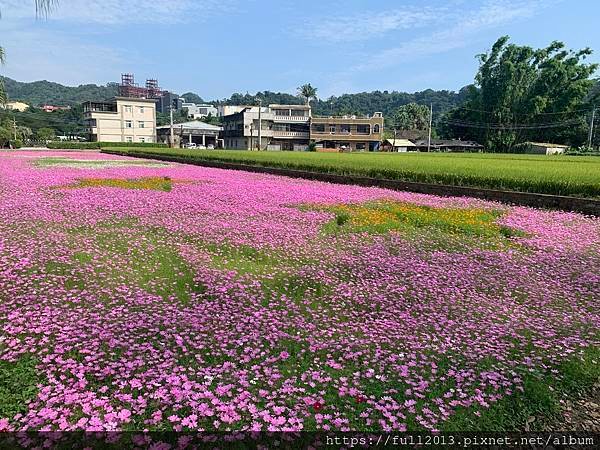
(217, 47)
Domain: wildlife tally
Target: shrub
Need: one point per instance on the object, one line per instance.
(16, 143)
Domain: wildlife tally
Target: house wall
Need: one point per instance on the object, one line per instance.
(134, 121)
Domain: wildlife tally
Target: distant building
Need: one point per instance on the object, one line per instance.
(196, 111)
(348, 133)
(121, 120)
(292, 127)
(283, 127)
(398, 145)
(543, 148)
(52, 108)
(227, 110)
(16, 106)
(169, 100)
(448, 145)
(194, 132)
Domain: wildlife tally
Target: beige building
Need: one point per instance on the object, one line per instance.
(16, 106)
(348, 133)
(122, 119)
(293, 127)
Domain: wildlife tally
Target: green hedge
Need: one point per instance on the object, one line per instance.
(69, 145)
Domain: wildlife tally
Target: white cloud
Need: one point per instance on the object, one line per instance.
(118, 12)
(368, 25)
(458, 34)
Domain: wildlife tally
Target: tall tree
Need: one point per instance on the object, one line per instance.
(411, 117)
(308, 92)
(42, 8)
(522, 93)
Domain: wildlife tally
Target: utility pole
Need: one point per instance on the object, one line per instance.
(259, 125)
(591, 136)
(430, 124)
(172, 133)
(15, 128)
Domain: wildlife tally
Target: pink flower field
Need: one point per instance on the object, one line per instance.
(138, 295)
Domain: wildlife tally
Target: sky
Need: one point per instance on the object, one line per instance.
(217, 47)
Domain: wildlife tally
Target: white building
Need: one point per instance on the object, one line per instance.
(122, 119)
(227, 110)
(196, 111)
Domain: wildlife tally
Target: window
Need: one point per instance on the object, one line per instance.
(299, 113)
(345, 129)
(141, 110)
(319, 128)
(361, 146)
(142, 139)
(332, 129)
(363, 129)
(127, 108)
(141, 124)
(129, 139)
(376, 128)
(128, 124)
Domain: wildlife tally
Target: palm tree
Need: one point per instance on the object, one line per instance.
(42, 8)
(308, 92)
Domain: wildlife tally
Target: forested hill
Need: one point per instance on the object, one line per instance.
(361, 103)
(39, 92)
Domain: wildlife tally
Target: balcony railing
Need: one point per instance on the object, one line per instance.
(291, 134)
(291, 118)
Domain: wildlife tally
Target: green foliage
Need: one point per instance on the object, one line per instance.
(45, 134)
(308, 92)
(213, 120)
(18, 384)
(190, 97)
(41, 92)
(559, 175)
(519, 85)
(65, 122)
(16, 143)
(411, 117)
(180, 116)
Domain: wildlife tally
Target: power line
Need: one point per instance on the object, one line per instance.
(500, 126)
(525, 114)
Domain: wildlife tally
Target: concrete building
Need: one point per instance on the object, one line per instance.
(448, 145)
(292, 127)
(121, 120)
(398, 145)
(227, 110)
(347, 133)
(196, 132)
(169, 100)
(15, 106)
(284, 127)
(196, 111)
(544, 148)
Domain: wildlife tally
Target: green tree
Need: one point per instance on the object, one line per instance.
(521, 94)
(45, 134)
(5, 135)
(411, 117)
(308, 92)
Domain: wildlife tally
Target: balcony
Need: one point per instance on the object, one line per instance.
(294, 119)
(291, 134)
